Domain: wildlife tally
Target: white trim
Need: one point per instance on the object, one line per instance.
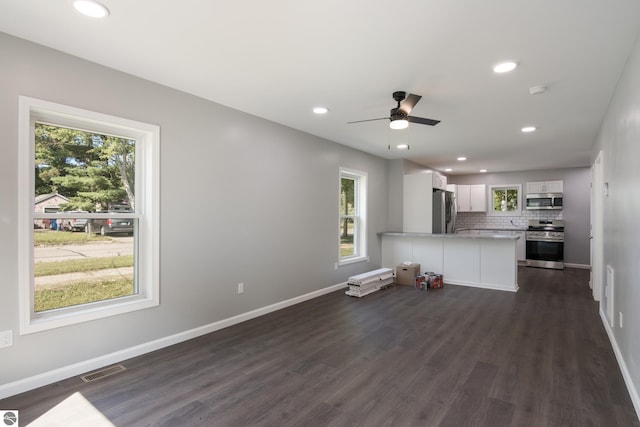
(353, 260)
(633, 392)
(68, 371)
(483, 285)
(493, 187)
(147, 182)
(360, 234)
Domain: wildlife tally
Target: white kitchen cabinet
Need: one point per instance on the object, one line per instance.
(417, 203)
(521, 245)
(418, 200)
(471, 198)
(439, 181)
(536, 187)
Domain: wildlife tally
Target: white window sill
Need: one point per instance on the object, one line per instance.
(353, 260)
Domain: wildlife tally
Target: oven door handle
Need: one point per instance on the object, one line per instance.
(544, 239)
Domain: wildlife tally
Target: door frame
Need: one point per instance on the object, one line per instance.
(596, 238)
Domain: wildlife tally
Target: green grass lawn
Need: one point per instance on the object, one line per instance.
(79, 265)
(49, 238)
(81, 293)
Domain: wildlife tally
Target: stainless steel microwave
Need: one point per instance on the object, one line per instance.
(544, 201)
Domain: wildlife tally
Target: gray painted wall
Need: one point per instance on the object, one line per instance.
(242, 200)
(619, 140)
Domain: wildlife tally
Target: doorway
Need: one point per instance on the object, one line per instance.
(597, 198)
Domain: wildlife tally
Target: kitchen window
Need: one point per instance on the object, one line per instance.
(88, 215)
(352, 217)
(505, 200)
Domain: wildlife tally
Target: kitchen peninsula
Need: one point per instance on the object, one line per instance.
(483, 261)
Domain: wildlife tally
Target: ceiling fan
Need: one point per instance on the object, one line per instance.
(399, 117)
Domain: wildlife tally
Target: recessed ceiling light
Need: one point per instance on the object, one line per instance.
(448, 170)
(403, 146)
(504, 67)
(483, 170)
(91, 8)
(528, 129)
(462, 159)
(537, 90)
(321, 110)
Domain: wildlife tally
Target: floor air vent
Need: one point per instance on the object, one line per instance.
(104, 372)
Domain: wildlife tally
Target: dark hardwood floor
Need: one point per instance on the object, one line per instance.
(400, 357)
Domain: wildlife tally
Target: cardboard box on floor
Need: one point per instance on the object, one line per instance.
(406, 274)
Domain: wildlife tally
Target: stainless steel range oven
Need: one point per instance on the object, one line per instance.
(545, 244)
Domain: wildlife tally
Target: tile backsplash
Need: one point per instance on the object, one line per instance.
(483, 220)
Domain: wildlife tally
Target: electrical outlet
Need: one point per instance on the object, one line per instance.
(620, 313)
(6, 339)
(240, 288)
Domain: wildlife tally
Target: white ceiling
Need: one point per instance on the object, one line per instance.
(277, 59)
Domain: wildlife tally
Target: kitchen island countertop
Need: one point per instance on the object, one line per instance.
(453, 236)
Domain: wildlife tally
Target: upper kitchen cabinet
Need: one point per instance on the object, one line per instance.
(439, 181)
(537, 187)
(471, 198)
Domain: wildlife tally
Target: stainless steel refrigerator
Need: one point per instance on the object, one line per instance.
(444, 212)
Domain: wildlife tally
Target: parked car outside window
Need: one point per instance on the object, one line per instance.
(106, 226)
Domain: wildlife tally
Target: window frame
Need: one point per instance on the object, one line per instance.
(146, 235)
(492, 212)
(359, 216)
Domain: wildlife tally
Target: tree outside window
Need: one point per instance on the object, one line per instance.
(88, 209)
(505, 200)
(352, 216)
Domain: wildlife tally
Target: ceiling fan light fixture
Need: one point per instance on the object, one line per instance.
(399, 124)
(320, 110)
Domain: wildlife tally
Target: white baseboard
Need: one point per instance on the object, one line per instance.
(633, 392)
(79, 368)
(484, 286)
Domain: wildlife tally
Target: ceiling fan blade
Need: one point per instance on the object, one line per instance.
(410, 101)
(423, 121)
(369, 120)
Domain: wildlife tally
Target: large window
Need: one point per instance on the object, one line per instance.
(505, 199)
(88, 215)
(352, 217)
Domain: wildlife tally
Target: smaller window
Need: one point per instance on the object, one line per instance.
(505, 200)
(352, 217)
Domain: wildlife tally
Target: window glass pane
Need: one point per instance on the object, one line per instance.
(74, 267)
(505, 200)
(82, 171)
(499, 200)
(78, 258)
(512, 200)
(347, 247)
(347, 196)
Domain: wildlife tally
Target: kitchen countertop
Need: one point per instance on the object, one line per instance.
(491, 229)
(451, 236)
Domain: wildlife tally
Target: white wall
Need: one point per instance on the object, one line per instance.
(619, 140)
(242, 200)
